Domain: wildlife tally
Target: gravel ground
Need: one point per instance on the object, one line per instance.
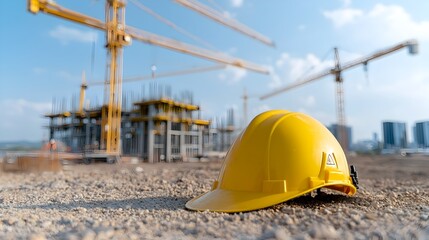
(144, 201)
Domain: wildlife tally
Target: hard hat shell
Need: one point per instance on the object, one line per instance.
(280, 155)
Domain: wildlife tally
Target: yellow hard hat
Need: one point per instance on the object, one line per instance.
(280, 155)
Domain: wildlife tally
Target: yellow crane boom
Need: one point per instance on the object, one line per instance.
(35, 6)
(178, 46)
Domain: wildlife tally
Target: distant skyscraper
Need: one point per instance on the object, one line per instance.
(394, 135)
(421, 134)
(334, 130)
(374, 137)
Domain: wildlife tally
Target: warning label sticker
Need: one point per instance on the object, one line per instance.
(330, 161)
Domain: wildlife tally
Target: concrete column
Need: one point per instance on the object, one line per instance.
(141, 138)
(150, 135)
(200, 140)
(168, 141)
(182, 142)
(87, 133)
(150, 141)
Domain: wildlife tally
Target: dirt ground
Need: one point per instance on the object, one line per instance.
(146, 201)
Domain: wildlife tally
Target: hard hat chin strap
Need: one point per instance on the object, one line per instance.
(354, 176)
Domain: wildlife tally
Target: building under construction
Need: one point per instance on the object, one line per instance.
(155, 127)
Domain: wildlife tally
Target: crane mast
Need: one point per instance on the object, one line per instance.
(341, 117)
(116, 39)
(337, 70)
(245, 98)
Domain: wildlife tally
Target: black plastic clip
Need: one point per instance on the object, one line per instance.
(354, 176)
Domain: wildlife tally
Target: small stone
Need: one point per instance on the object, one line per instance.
(322, 231)
(105, 233)
(46, 224)
(371, 216)
(89, 235)
(37, 237)
(281, 234)
(80, 209)
(377, 235)
(288, 220)
(10, 221)
(326, 211)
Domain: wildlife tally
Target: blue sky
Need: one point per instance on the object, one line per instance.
(42, 57)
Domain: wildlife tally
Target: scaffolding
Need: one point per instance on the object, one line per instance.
(156, 127)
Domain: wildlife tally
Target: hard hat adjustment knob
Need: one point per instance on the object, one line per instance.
(354, 176)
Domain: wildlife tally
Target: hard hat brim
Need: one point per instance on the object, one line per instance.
(220, 200)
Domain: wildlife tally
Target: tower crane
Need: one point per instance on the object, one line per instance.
(119, 35)
(337, 70)
(245, 98)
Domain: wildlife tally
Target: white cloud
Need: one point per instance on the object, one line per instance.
(67, 34)
(397, 23)
(346, 2)
(276, 80)
(387, 22)
(342, 17)
(233, 75)
(227, 14)
(237, 3)
(22, 119)
(414, 89)
(19, 107)
(289, 69)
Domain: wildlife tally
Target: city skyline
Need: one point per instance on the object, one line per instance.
(44, 58)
